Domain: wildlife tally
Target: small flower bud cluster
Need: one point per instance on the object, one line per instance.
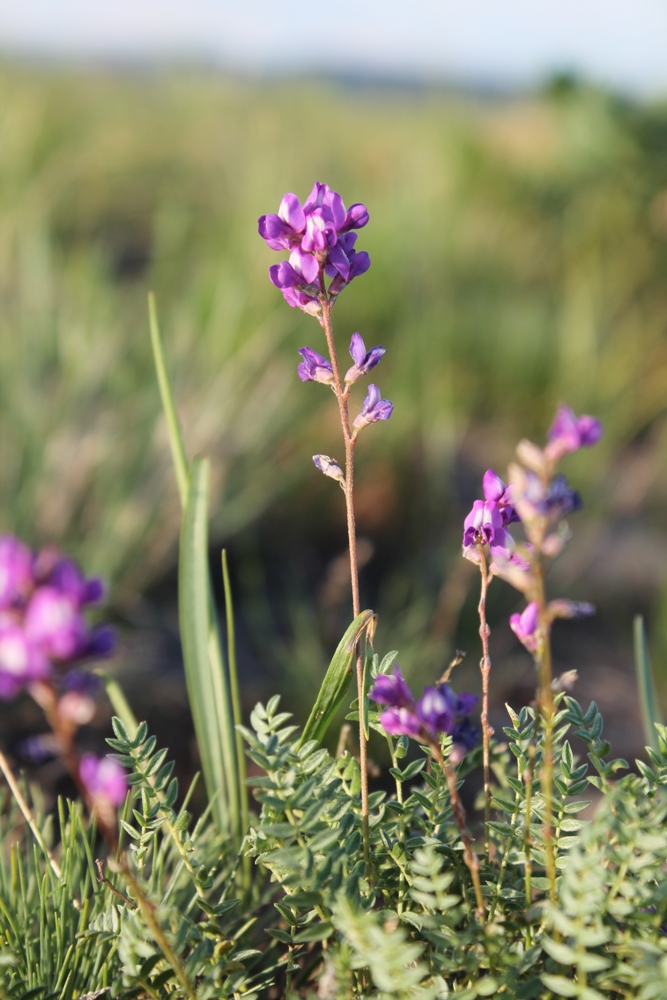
(320, 241)
(439, 710)
(43, 629)
(539, 498)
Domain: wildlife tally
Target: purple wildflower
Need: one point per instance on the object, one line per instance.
(569, 433)
(363, 360)
(104, 779)
(54, 624)
(15, 570)
(346, 263)
(374, 409)
(525, 625)
(401, 722)
(392, 689)
(497, 491)
(434, 711)
(314, 368)
(465, 736)
(485, 525)
(283, 231)
(21, 662)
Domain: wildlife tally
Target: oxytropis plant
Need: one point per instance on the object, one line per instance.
(539, 499)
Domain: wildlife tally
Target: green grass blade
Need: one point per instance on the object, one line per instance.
(173, 426)
(337, 679)
(193, 604)
(648, 701)
(236, 698)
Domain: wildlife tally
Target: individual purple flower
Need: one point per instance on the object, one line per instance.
(284, 230)
(496, 490)
(21, 662)
(401, 722)
(392, 689)
(301, 300)
(68, 579)
(104, 779)
(465, 737)
(569, 433)
(54, 624)
(345, 263)
(482, 524)
(525, 625)
(300, 271)
(373, 409)
(364, 360)
(314, 368)
(435, 712)
(15, 570)
(561, 499)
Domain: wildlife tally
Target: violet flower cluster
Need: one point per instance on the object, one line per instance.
(439, 710)
(43, 629)
(320, 239)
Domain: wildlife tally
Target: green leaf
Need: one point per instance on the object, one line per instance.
(560, 985)
(173, 426)
(647, 697)
(315, 932)
(336, 680)
(486, 987)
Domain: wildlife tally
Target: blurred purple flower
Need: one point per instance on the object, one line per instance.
(373, 409)
(363, 360)
(434, 711)
(15, 570)
(525, 625)
(104, 779)
(54, 624)
(569, 433)
(21, 662)
(392, 689)
(314, 368)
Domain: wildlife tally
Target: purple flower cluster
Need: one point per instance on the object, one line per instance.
(320, 239)
(42, 623)
(487, 522)
(439, 710)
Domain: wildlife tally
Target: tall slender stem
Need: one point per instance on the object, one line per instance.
(545, 700)
(485, 668)
(342, 393)
(27, 813)
(469, 855)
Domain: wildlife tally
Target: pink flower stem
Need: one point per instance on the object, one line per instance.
(485, 669)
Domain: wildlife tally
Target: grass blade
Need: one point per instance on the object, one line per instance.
(173, 426)
(236, 698)
(648, 701)
(193, 604)
(337, 678)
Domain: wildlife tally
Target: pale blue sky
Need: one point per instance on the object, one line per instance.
(619, 42)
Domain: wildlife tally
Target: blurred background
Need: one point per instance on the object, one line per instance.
(514, 162)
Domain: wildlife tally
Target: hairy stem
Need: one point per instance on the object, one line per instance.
(469, 855)
(485, 668)
(545, 701)
(341, 392)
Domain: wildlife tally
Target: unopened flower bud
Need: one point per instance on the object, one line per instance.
(329, 466)
(531, 456)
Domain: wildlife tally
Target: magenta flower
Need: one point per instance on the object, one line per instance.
(501, 494)
(525, 625)
(314, 368)
(284, 230)
(374, 409)
(104, 779)
(21, 662)
(392, 689)
(15, 570)
(401, 722)
(364, 360)
(54, 624)
(569, 433)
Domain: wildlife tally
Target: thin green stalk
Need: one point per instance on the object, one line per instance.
(545, 700)
(349, 439)
(27, 813)
(236, 707)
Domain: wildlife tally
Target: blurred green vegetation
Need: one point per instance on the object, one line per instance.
(519, 253)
